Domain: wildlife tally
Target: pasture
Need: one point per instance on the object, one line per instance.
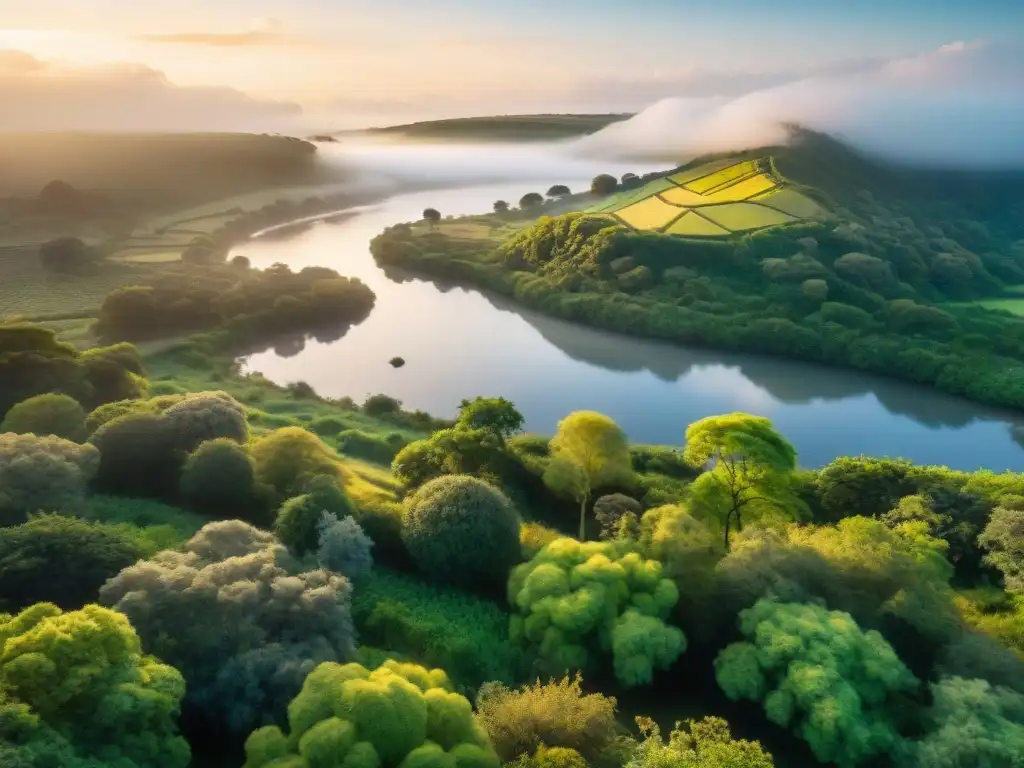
(716, 199)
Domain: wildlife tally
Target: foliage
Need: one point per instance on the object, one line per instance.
(589, 451)
(219, 479)
(461, 531)
(531, 200)
(288, 459)
(50, 414)
(67, 254)
(78, 683)
(705, 743)
(371, 447)
(250, 304)
(603, 184)
(298, 520)
(398, 714)
(554, 714)
(492, 413)
(615, 510)
(43, 474)
(559, 190)
(1003, 537)
(239, 617)
(343, 547)
(60, 560)
(820, 674)
(456, 451)
(501, 206)
(207, 416)
(971, 723)
(574, 599)
(139, 455)
(436, 626)
(432, 215)
(748, 467)
(163, 524)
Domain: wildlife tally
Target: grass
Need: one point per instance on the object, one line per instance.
(740, 217)
(789, 201)
(1013, 306)
(693, 224)
(504, 127)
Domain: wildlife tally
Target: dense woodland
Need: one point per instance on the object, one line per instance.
(884, 285)
(202, 568)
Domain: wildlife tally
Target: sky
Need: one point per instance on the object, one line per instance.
(345, 63)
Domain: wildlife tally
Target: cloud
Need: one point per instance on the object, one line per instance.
(961, 105)
(41, 96)
(260, 33)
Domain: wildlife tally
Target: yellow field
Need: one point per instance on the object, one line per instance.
(651, 213)
(692, 224)
(683, 177)
(681, 196)
(740, 217)
(723, 177)
(743, 190)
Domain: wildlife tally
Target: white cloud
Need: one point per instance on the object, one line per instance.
(961, 105)
(37, 95)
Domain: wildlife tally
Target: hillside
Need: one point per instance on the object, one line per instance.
(809, 251)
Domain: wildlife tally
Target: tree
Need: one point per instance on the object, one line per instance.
(531, 200)
(500, 207)
(604, 184)
(66, 254)
(1003, 537)
(555, 714)
(397, 714)
(288, 459)
(820, 674)
(343, 547)
(574, 599)
(219, 479)
(559, 190)
(50, 414)
(207, 416)
(630, 181)
(493, 413)
(43, 474)
(298, 520)
(614, 511)
(140, 455)
(243, 621)
(431, 215)
(456, 451)
(78, 685)
(60, 560)
(589, 451)
(460, 530)
(748, 468)
(703, 743)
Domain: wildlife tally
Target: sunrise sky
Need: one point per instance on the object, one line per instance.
(347, 62)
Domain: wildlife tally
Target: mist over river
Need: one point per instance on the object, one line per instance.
(459, 343)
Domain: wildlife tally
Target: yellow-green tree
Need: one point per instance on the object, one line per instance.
(589, 451)
(748, 468)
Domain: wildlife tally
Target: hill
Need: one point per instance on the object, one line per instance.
(503, 127)
(911, 273)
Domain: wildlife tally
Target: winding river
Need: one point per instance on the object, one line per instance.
(461, 343)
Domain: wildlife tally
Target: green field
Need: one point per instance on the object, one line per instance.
(516, 128)
(730, 196)
(1013, 306)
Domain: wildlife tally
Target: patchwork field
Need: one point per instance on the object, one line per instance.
(716, 199)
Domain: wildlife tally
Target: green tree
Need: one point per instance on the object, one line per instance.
(396, 715)
(83, 674)
(501, 207)
(494, 413)
(604, 184)
(820, 674)
(531, 200)
(50, 414)
(559, 190)
(748, 469)
(589, 451)
(705, 743)
(43, 474)
(298, 519)
(219, 479)
(1003, 537)
(460, 530)
(140, 455)
(288, 459)
(431, 215)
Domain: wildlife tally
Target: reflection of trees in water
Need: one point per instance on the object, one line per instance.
(789, 381)
(288, 345)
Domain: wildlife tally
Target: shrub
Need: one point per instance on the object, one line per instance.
(343, 547)
(574, 599)
(78, 691)
(610, 510)
(494, 413)
(60, 560)
(326, 426)
(110, 411)
(43, 415)
(461, 530)
(466, 635)
(553, 714)
(397, 714)
(219, 479)
(288, 459)
(298, 519)
(239, 617)
(139, 456)
(381, 405)
(154, 518)
(207, 416)
(820, 674)
(370, 447)
(43, 474)
(66, 254)
(696, 744)
(1003, 537)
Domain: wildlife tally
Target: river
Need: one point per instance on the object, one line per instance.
(460, 343)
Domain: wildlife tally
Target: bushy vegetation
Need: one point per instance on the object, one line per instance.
(43, 474)
(50, 414)
(239, 617)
